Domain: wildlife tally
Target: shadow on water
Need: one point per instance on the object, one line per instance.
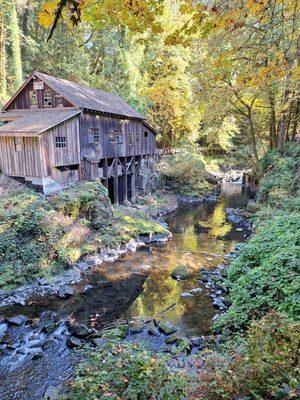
(201, 238)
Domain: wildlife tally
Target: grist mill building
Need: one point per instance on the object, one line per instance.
(54, 132)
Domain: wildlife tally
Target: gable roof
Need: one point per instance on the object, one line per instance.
(33, 122)
(85, 97)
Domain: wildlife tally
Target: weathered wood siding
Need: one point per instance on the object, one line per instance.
(57, 157)
(22, 99)
(26, 162)
(133, 141)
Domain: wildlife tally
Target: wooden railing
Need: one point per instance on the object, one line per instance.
(166, 151)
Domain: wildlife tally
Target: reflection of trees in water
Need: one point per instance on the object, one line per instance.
(160, 292)
(218, 227)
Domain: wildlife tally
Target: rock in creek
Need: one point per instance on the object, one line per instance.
(185, 295)
(3, 330)
(98, 342)
(196, 341)
(196, 291)
(18, 320)
(180, 273)
(152, 329)
(172, 338)
(65, 291)
(79, 330)
(218, 303)
(73, 342)
(136, 326)
(167, 328)
(52, 393)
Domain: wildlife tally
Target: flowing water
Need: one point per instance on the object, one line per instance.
(122, 290)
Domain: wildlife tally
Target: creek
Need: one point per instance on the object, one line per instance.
(137, 285)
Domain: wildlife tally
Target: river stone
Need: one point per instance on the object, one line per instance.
(172, 339)
(35, 353)
(18, 320)
(218, 303)
(180, 273)
(36, 343)
(167, 328)
(79, 330)
(185, 295)
(152, 329)
(73, 342)
(136, 326)
(3, 330)
(196, 341)
(49, 327)
(196, 291)
(65, 291)
(52, 393)
(98, 342)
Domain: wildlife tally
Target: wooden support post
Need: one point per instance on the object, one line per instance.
(124, 177)
(105, 170)
(132, 182)
(116, 184)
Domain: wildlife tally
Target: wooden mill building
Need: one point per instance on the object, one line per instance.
(54, 132)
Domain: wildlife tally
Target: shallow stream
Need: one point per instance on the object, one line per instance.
(202, 238)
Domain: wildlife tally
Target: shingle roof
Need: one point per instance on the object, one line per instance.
(93, 99)
(33, 122)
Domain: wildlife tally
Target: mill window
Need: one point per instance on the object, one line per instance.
(146, 134)
(47, 98)
(33, 100)
(60, 142)
(59, 101)
(93, 135)
(112, 137)
(130, 138)
(18, 144)
(96, 135)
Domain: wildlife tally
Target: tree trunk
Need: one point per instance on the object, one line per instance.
(296, 117)
(272, 127)
(283, 121)
(253, 139)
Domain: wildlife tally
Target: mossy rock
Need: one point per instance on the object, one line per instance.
(180, 273)
(167, 328)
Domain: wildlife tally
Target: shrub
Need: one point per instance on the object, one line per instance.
(186, 173)
(265, 276)
(127, 371)
(265, 367)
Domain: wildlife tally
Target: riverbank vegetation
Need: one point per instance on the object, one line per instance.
(40, 236)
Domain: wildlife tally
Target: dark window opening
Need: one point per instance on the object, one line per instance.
(61, 142)
(93, 135)
(59, 101)
(33, 100)
(111, 137)
(68, 168)
(116, 136)
(101, 163)
(146, 134)
(96, 135)
(4, 122)
(47, 98)
(18, 144)
(130, 138)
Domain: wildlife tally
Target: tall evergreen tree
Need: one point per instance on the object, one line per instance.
(15, 45)
(3, 82)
